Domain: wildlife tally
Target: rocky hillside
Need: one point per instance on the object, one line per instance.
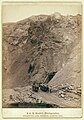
(39, 45)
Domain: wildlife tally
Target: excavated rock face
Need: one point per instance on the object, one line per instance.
(39, 45)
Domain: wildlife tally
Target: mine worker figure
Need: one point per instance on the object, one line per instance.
(47, 88)
(40, 100)
(50, 89)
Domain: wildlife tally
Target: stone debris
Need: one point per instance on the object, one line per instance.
(26, 94)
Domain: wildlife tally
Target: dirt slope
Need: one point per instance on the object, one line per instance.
(71, 72)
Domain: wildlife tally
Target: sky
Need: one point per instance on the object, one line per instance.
(13, 12)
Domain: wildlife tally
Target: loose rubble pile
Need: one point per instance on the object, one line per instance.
(68, 92)
(45, 49)
(26, 95)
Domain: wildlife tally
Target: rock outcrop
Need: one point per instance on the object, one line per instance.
(40, 45)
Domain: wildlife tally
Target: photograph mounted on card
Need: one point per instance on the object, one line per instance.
(41, 60)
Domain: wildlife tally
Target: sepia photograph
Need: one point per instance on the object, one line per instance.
(41, 47)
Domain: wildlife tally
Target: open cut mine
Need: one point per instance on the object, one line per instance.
(42, 62)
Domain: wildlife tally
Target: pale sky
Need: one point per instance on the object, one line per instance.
(12, 12)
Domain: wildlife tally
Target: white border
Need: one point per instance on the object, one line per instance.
(73, 112)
